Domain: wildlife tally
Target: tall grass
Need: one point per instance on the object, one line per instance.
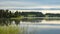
(10, 30)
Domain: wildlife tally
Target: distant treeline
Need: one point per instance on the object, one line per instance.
(9, 14)
(52, 15)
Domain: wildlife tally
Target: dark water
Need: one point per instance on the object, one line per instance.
(34, 26)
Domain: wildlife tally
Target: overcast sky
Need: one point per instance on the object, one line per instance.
(29, 3)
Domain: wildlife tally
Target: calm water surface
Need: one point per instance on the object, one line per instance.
(34, 26)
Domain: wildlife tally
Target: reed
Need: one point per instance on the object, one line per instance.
(10, 30)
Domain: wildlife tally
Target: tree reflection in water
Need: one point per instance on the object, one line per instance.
(5, 22)
(8, 22)
(17, 21)
(32, 20)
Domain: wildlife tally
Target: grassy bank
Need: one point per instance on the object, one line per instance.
(20, 17)
(10, 30)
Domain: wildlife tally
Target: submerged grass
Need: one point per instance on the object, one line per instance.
(10, 30)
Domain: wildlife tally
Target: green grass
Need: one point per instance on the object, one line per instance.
(10, 30)
(20, 17)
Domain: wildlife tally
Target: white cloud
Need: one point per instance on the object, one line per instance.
(29, 7)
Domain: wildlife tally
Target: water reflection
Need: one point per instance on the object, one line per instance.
(5, 22)
(34, 26)
(44, 29)
(8, 22)
(18, 21)
(32, 19)
(36, 21)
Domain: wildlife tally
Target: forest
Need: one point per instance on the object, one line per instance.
(9, 14)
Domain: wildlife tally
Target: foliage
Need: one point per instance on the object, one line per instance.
(9, 14)
(52, 15)
(10, 30)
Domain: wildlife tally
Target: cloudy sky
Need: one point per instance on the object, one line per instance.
(5, 4)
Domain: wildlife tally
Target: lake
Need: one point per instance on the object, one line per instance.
(34, 26)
